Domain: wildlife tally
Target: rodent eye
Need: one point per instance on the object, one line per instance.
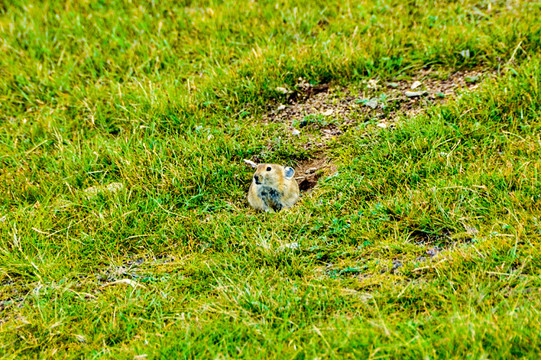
(269, 168)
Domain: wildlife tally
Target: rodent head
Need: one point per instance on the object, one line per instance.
(270, 174)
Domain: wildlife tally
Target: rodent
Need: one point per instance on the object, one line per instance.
(273, 187)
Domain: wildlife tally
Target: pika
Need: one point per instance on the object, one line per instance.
(273, 187)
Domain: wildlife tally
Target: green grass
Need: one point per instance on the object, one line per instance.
(423, 244)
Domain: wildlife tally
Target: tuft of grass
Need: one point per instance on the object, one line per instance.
(124, 229)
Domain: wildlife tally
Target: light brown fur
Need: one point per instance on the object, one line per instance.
(273, 189)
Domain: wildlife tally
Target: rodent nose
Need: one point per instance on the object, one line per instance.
(256, 178)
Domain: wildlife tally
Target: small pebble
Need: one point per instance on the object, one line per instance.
(327, 113)
(283, 90)
(415, 85)
(292, 245)
(372, 84)
(372, 103)
(412, 94)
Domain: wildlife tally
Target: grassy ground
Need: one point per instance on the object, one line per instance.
(124, 229)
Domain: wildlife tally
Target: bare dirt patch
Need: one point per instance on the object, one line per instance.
(323, 112)
(327, 107)
(308, 172)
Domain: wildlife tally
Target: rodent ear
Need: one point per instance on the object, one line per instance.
(251, 163)
(289, 172)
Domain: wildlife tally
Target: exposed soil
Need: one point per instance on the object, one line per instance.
(324, 112)
(308, 172)
(373, 99)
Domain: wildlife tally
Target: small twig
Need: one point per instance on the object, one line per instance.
(499, 273)
(124, 281)
(167, 211)
(35, 147)
(403, 291)
(430, 267)
(82, 294)
(514, 53)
